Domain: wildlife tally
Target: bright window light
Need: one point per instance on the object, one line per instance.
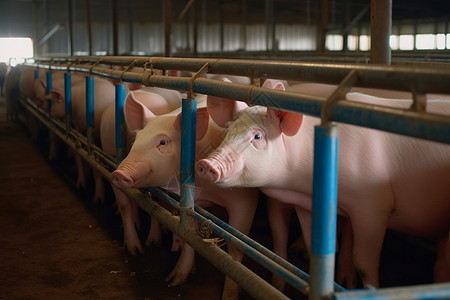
(425, 41)
(394, 42)
(406, 42)
(364, 43)
(14, 50)
(334, 42)
(352, 42)
(440, 41)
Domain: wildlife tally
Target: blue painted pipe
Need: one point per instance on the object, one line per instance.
(324, 211)
(47, 92)
(68, 99)
(68, 93)
(187, 163)
(120, 122)
(427, 291)
(90, 111)
(36, 74)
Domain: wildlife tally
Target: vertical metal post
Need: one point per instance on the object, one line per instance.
(322, 26)
(221, 26)
(196, 19)
(115, 20)
(69, 12)
(36, 74)
(244, 25)
(167, 27)
(89, 25)
(90, 111)
(68, 99)
(120, 122)
(188, 127)
(47, 92)
(380, 31)
(324, 209)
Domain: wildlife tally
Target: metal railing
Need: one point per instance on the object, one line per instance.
(415, 122)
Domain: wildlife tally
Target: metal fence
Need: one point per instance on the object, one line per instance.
(415, 122)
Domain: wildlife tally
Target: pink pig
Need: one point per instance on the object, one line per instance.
(383, 178)
(154, 160)
(128, 208)
(103, 96)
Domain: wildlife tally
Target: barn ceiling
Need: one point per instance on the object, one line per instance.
(285, 11)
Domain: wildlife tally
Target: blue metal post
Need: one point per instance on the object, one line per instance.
(187, 164)
(120, 122)
(68, 99)
(36, 74)
(324, 209)
(49, 88)
(90, 111)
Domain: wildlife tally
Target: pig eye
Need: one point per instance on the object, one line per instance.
(257, 136)
(162, 142)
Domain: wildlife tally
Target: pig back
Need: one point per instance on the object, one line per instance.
(416, 170)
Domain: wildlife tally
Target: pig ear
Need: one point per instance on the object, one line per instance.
(274, 84)
(222, 110)
(56, 95)
(202, 123)
(288, 122)
(136, 113)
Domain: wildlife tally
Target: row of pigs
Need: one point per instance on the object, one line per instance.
(385, 180)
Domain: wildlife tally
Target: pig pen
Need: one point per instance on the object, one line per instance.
(235, 92)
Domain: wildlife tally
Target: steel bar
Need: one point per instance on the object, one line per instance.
(380, 31)
(427, 79)
(68, 100)
(90, 111)
(429, 291)
(120, 129)
(434, 127)
(187, 164)
(324, 211)
(293, 276)
(48, 89)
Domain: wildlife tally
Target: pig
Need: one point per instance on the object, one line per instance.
(154, 160)
(12, 93)
(128, 208)
(383, 177)
(3, 71)
(103, 96)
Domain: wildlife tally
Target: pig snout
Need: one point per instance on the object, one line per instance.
(122, 179)
(207, 170)
(222, 168)
(131, 175)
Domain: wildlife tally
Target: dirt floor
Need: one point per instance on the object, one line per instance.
(58, 244)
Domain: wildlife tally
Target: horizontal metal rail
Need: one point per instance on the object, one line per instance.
(248, 280)
(416, 124)
(418, 80)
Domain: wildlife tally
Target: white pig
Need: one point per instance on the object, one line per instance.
(154, 160)
(128, 208)
(103, 96)
(383, 178)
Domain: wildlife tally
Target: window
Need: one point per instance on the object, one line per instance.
(14, 50)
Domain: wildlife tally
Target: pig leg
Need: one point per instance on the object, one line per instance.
(278, 214)
(81, 179)
(130, 220)
(241, 214)
(183, 267)
(154, 235)
(99, 194)
(442, 265)
(345, 268)
(369, 228)
(53, 146)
